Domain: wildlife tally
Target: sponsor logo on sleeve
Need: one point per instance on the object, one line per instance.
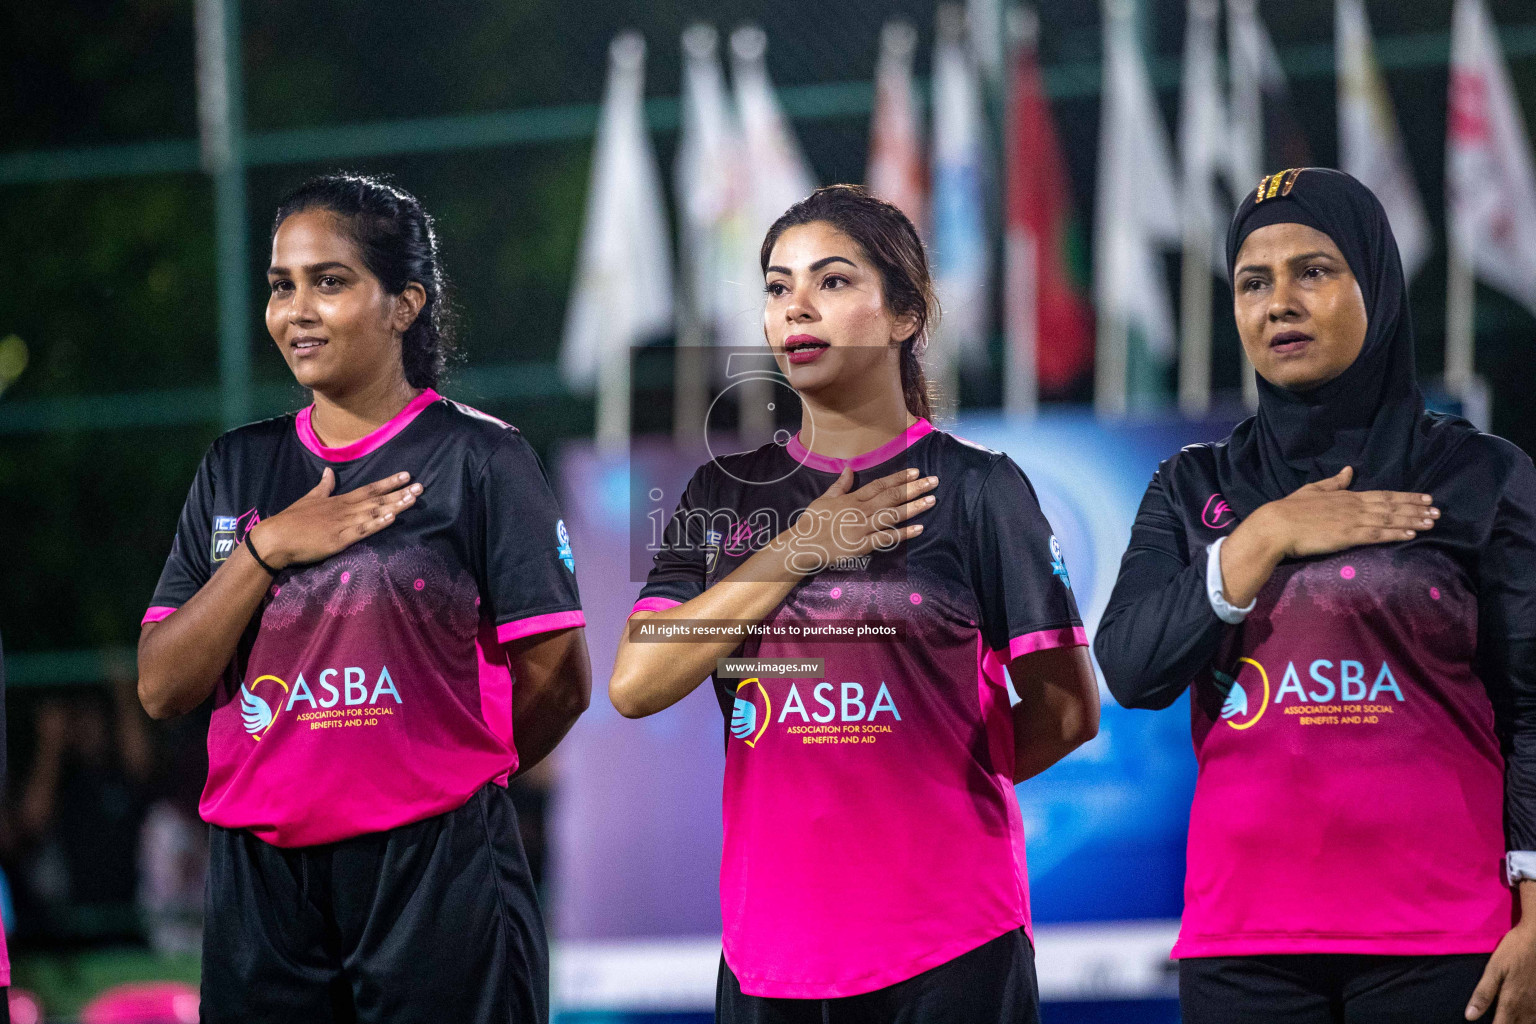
(1059, 565)
(563, 549)
(229, 531)
(712, 540)
(223, 537)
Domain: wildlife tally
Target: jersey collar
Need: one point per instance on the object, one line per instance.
(363, 445)
(895, 446)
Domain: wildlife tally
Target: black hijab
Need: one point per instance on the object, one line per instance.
(1372, 415)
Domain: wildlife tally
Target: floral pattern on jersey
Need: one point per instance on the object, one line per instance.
(286, 600)
(350, 581)
(1407, 594)
(416, 582)
(423, 586)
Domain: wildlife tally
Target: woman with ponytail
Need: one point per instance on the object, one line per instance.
(874, 856)
(355, 586)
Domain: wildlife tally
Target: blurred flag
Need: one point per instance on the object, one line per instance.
(1491, 186)
(1049, 325)
(711, 192)
(1204, 151)
(623, 289)
(1265, 132)
(896, 172)
(718, 278)
(777, 177)
(1137, 217)
(961, 254)
(777, 172)
(1370, 146)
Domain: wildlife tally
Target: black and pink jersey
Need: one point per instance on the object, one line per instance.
(1354, 793)
(370, 689)
(871, 826)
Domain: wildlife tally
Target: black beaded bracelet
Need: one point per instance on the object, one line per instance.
(251, 548)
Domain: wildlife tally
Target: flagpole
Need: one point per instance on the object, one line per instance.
(1195, 321)
(1198, 131)
(690, 386)
(1110, 364)
(1021, 252)
(1021, 385)
(690, 381)
(1460, 308)
(613, 379)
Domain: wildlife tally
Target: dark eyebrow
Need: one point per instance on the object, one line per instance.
(814, 266)
(1312, 256)
(313, 268)
(1253, 268)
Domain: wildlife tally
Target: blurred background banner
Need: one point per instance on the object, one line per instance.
(602, 176)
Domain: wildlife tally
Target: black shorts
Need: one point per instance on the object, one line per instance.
(433, 921)
(1329, 988)
(992, 984)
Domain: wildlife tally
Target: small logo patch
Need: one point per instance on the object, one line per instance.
(564, 549)
(229, 531)
(1217, 514)
(223, 537)
(1058, 565)
(712, 540)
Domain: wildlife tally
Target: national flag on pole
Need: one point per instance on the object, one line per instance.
(961, 253)
(1048, 319)
(1138, 197)
(623, 288)
(1490, 181)
(1370, 146)
(710, 178)
(896, 170)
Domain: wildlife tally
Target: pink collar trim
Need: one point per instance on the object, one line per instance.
(895, 446)
(363, 445)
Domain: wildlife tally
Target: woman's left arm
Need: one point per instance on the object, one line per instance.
(1058, 708)
(552, 686)
(1507, 664)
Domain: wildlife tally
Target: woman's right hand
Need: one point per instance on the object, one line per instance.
(841, 523)
(1323, 517)
(321, 523)
(1317, 519)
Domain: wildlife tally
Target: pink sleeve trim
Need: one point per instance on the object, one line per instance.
(155, 614)
(654, 604)
(1045, 639)
(509, 631)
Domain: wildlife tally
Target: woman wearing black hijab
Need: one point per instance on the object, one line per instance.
(1347, 584)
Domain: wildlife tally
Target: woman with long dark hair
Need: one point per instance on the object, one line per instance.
(1347, 586)
(355, 587)
(874, 856)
